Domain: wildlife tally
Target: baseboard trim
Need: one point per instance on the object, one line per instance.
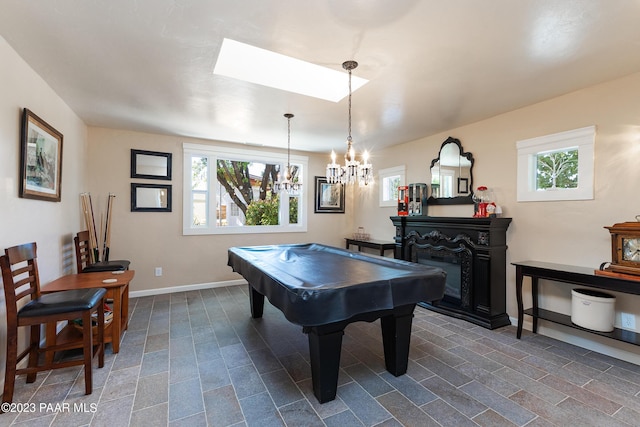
(185, 288)
(603, 345)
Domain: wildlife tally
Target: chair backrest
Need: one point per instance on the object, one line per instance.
(20, 276)
(83, 250)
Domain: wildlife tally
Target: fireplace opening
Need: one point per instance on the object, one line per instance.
(452, 265)
(456, 261)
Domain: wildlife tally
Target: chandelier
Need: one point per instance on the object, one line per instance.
(287, 185)
(353, 171)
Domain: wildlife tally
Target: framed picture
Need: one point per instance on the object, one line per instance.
(329, 197)
(463, 185)
(40, 159)
(150, 197)
(150, 165)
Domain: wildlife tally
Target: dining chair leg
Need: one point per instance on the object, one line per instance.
(10, 369)
(34, 346)
(87, 351)
(50, 340)
(101, 334)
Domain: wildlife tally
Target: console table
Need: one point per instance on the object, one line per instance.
(373, 244)
(572, 275)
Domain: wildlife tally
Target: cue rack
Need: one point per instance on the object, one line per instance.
(105, 232)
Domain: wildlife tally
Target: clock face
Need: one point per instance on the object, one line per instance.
(631, 249)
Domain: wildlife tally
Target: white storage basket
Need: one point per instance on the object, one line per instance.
(593, 309)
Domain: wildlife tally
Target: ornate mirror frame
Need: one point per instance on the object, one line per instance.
(463, 184)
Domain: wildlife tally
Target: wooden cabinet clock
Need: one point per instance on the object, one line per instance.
(625, 247)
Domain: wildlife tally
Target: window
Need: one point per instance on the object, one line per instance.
(389, 180)
(557, 166)
(446, 183)
(230, 190)
(557, 169)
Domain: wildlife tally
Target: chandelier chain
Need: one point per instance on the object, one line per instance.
(349, 104)
(288, 116)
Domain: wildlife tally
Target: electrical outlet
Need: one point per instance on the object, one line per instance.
(628, 321)
(158, 271)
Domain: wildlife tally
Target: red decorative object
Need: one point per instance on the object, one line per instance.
(403, 200)
(484, 203)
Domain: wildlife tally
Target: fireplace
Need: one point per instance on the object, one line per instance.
(453, 256)
(473, 253)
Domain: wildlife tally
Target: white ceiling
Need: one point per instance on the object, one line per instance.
(433, 65)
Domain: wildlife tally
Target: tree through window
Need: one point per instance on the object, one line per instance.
(244, 184)
(557, 170)
(241, 193)
(558, 166)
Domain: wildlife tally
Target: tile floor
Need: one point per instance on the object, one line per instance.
(197, 359)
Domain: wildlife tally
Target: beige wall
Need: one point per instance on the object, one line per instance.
(50, 224)
(155, 239)
(568, 232)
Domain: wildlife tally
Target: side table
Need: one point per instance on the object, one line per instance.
(117, 290)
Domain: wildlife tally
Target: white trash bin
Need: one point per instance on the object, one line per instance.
(593, 309)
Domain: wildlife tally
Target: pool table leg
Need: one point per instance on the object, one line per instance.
(325, 345)
(257, 302)
(396, 338)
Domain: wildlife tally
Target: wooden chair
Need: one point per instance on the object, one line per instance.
(83, 257)
(19, 267)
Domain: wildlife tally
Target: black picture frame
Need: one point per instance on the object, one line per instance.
(329, 198)
(463, 185)
(150, 164)
(150, 197)
(40, 159)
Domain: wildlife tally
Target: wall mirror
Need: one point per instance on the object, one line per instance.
(150, 164)
(451, 175)
(150, 197)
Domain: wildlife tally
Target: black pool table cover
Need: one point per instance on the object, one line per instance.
(314, 284)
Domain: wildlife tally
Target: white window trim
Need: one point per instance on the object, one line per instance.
(583, 139)
(388, 173)
(214, 153)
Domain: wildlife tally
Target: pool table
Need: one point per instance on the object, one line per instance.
(323, 289)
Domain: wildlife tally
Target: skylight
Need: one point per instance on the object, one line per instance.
(251, 64)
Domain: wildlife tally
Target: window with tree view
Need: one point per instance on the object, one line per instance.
(558, 169)
(234, 191)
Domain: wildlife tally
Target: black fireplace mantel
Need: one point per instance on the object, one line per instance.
(481, 246)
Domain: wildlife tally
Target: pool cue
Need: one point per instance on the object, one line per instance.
(91, 226)
(101, 232)
(93, 233)
(84, 207)
(105, 256)
(107, 228)
(88, 222)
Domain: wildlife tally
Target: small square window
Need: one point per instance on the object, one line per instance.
(557, 166)
(389, 180)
